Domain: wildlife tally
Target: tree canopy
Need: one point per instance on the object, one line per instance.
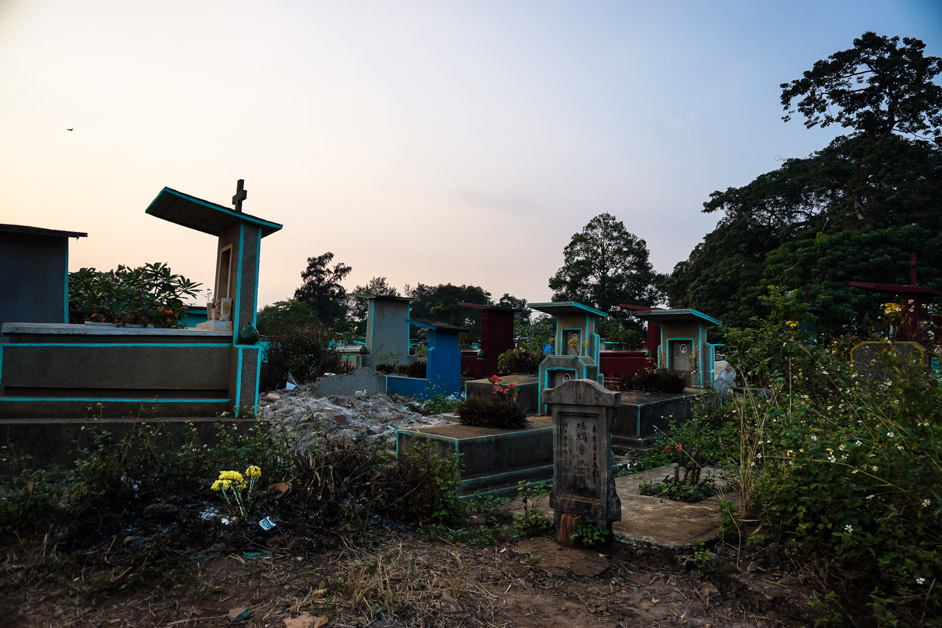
(861, 195)
(440, 303)
(604, 265)
(876, 88)
(322, 291)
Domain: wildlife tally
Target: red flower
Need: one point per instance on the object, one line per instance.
(678, 446)
(667, 448)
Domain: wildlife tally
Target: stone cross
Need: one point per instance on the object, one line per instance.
(240, 195)
(583, 484)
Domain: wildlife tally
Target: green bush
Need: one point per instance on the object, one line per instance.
(148, 295)
(847, 468)
(520, 360)
(303, 351)
(28, 500)
(492, 411)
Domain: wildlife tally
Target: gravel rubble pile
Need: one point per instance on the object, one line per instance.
(368, 418)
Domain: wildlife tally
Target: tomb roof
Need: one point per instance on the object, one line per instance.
(39, 231)
(384, 297)
(885, 287)
(566, 307)
(195, 213)
(498, 308)
(435, 325)
(676, 316)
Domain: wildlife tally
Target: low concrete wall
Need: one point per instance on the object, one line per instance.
(489, 458)
(361, 379)
(643, 417)
(408, 386)
(73, 371)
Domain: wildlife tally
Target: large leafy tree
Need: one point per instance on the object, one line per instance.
(820, 265)
(604, 265)
(322, 290)
(879, 177)
(876, 88)
(440, 303)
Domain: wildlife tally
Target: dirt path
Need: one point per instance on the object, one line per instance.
(403, 579)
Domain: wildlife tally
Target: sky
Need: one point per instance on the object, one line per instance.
(460, 142)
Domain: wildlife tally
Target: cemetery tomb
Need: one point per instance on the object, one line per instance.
(576, 345)
(684, 345)
(52, 370)
(34, 273)
(497, 336)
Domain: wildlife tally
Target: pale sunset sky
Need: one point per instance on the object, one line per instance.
(433, 142)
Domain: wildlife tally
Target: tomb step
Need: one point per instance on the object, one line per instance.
(628, 444)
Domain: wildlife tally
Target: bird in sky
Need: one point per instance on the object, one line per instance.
(72, 129)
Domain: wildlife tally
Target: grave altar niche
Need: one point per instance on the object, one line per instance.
(583, 413)
(575, 346)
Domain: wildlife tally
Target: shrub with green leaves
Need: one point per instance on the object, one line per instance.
(846, 467)
(492, 411)
(522, 359)
(148, 295)
(304, 352)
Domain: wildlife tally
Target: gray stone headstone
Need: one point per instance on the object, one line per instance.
(879, 360)
(583, 413)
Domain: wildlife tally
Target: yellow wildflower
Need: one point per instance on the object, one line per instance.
(221, 485)
(253, 472)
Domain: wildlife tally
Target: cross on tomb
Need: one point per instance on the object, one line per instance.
(240, 195)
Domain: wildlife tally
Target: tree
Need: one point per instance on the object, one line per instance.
(440, 303)
(322, 291)
(604, 265)
(873, 180)
(284, 315)
(819, 266)
(876, 88)
(521, 317)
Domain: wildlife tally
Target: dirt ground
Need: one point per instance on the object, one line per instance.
(401, 578)
(160, 564)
